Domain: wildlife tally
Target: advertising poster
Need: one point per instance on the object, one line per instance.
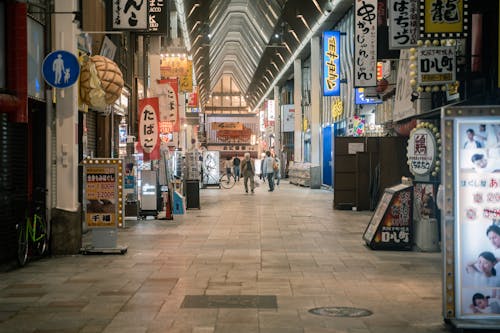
(101, 196)
(477, 217)
(288, 117)
(389, 227)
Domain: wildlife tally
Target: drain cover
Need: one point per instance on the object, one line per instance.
(340, 311)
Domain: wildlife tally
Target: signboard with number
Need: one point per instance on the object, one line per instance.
(365, 43)
(390, 225)
(103, 201)
(436, 65)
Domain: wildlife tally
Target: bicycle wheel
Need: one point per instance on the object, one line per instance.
(41, 236)
(22, 245)
(227, 181)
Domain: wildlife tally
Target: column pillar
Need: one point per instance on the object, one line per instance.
(315, 100)
(298, 141)
(66, 222)
(277, 121)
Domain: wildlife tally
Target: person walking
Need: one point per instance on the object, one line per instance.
(277, 170)
(268, 171)
(248, 172)
(236, 167)
(228, 165)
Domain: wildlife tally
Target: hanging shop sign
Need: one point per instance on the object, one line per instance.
(180, 67)
(158, 16)
(436, 65)
(60, 69)
(471, 215)
(331, 63)
(149, 133)
(288, 117)
(360, 98)
(403, 23)
(365, 43)
(168, 97)
(337, 109)
(423, 150)
(103, 200)
(440, 18)
(230, 126)
(271, 111)
(130, 14)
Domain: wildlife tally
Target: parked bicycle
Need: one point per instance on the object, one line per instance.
(225, 181)
(33, 233)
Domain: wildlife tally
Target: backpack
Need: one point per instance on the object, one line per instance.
(275, 166)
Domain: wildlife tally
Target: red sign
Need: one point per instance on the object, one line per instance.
(169, 101)
(149, 131)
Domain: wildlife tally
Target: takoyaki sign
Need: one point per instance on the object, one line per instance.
(422, 151)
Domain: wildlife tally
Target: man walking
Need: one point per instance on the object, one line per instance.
(268, 170)
(248, 171)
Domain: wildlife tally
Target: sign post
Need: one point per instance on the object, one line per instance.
(61, 69)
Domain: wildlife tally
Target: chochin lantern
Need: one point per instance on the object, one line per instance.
(101, 82)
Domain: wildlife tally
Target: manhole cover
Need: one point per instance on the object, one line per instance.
(340, 311)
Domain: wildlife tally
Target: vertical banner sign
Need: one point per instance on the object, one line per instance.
(168, 100)
(271, 111)
(130, 14)
(149, 132)
(443, 18)
(103, 179)
(436, 65)
(331, 63)
(365, 43)
(158, 16)
(403, 23)
(288, 118)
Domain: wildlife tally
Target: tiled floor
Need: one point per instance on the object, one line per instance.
(289, 243)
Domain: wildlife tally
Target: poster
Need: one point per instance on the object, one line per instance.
(101, 196)
(477, 216)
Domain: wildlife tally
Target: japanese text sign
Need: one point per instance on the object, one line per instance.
(436, 65)
(443, 18)
(168, 90)
(149, 133)
(403, 23)
(331, 63)
(130, 14)
(422, 152)
(158, 16)
(365, 43)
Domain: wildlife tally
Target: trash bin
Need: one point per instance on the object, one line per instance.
(427, 234)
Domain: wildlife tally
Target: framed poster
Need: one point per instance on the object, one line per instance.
(471, 215)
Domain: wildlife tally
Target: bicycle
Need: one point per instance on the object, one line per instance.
(227, 180)
(33, 234)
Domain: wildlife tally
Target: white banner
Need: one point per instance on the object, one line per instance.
(288, 117)
(365, 43)
(130, 14)
(403, 23)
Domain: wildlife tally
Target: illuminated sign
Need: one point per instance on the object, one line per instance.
(422, 151)
(331, 63)
(443, 18)
(360, 98)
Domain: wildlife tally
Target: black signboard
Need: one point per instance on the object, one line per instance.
(158, 16)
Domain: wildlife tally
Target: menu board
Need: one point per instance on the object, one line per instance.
(477, 217)
(389, 227)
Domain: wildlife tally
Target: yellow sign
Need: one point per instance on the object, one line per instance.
(443, 16)
(337, 109)
(178, 67)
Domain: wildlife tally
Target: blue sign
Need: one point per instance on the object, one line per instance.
(331, 63)
(61, 69)
(360, 98)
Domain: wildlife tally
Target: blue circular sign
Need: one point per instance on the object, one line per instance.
(61, 69)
